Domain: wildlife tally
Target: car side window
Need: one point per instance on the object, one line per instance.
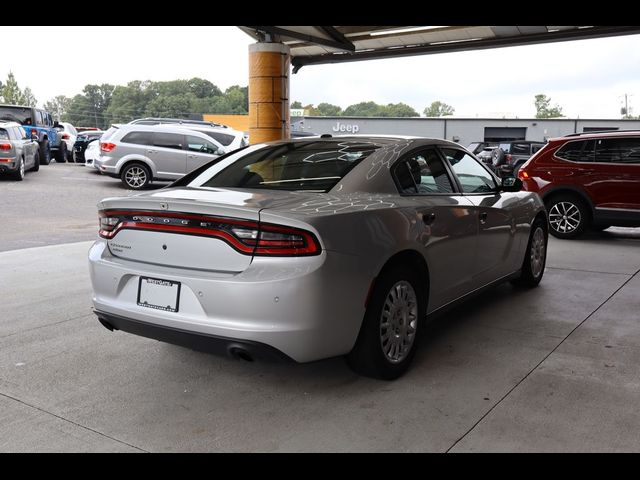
(618, 150)
(581, 151)
(23, 133)
(422, 174)
(472, 176)
(168, 140)
(197, 144)
(138, 138)
(4, 135)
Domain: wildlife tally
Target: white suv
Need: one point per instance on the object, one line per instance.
(139, 154)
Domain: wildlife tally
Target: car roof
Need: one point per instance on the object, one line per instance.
(386, 139)
(4, 124)
(600, 134)
(207, 128)
(161, 128)
(180, 121)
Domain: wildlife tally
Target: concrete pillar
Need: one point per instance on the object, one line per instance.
(269, 65)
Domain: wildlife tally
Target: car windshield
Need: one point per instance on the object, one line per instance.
(309, 166)
(22, 115)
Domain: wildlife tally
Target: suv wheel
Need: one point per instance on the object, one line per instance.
(45, 152)
(568, 216)
(61, 153)
(135, 176)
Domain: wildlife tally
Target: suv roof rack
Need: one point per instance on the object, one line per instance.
(635, 130)
(180, 121)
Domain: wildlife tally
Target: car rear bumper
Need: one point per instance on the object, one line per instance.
(232, 347)
(308, 308)
(8, 165)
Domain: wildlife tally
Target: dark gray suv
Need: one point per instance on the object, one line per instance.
(510, 156)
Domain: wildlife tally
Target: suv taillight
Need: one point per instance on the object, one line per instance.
(107, 147)
(523, 175)
(65, 136)
(246, 237)
(34, 132)
(5, 146)
(508, 157)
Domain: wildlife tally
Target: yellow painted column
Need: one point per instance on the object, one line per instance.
(269, 65)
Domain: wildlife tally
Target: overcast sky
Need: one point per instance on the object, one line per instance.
(587, 78)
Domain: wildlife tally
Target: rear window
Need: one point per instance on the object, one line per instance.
(4, 135)
(315, 166)
(109, 133)
(138, 138)
(581, 151)
(506, 147)
(520, 149)
(21, 115)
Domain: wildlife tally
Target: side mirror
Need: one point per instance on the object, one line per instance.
(511, 184)
(221, 151)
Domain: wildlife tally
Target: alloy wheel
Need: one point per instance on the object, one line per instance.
(538, 252)
(564, 217)
(135, 177)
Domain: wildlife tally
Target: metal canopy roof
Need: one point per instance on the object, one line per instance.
(314, 45)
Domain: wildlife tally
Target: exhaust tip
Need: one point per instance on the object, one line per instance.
(240, 354)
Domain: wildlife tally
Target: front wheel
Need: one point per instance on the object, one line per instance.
(36, 161)
(568, 216)
(45, 153)
(136, 176)
(386, 343)
(535, 257)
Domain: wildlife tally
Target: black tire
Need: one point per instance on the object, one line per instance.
(36, 162)
(535, 257)
(497, 157)
(61, 153)
(70, 158)
(45, 152)
(368, 356)
(19, 174)
(135, 176)
(569, 216)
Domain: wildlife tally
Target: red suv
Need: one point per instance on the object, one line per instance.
(588, 180)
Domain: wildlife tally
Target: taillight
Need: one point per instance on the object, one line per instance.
(107, 147)
(522, 174)
(34, 132)
(5, 146)
(508, 157)
(65, 136)
(247, 237)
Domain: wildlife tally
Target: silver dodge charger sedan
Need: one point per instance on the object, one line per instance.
(313, 248)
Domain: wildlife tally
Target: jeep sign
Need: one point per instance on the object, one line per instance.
(341, 127)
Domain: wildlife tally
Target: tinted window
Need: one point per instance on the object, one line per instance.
(223, 138)
(16, 114)
(106, 135)
(138, 138)
(535, 148)
(314, 166)
(618, 150)
(168, 140)
(4, 135)
(506, 147)
(581, 151)
(422, 174)
(197, 144)
(520, 148)
(472, 176)
(16, 133)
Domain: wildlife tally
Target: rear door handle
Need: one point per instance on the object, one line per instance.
(428, 218)
(483, 217)
(191, 156)
(152, 151)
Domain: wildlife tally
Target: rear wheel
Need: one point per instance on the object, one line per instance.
(568, 216)
(45, 152)
(61, 153)
(36, 161)
(535, 257)
(135, 176)
(386, 343)
(19, 174)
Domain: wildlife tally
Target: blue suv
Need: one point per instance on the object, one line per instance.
(40, 126)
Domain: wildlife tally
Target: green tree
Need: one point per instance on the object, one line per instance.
(58, 106)
(328, 110)
(438, 109)
(399, 110)
(295, 104)
(28, 98)
(238, 98)
(543, 108)
(363, 109)
(11, 92)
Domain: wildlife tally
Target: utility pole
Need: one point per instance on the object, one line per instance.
(625, 110)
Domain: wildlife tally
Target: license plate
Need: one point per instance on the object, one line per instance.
(159, 294)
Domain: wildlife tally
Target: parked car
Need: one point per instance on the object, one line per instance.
(313, 248)
(68, 135)
(18, 152)
(229, 138)
(587, 180)
(82, 140)
(510, 156)
(92, 153)
(139, 154)
(37, 122)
